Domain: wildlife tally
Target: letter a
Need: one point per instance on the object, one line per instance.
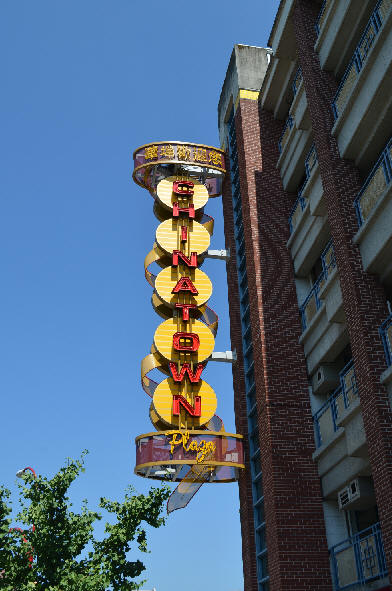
(185, 284)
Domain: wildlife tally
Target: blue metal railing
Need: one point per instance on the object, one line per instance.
(325, 419)
(288, 125)
(359, 559)
(312, 302)
(386, 336)
(298, 207)
(375, 184)
(328, 259)
(310, 160)
(320, 17)
(300, 204)
(361, 52)
(297, 81)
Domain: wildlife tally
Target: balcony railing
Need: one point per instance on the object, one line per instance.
(361, 53)
(300, 204)
(297, 81)
(375, 185)
(326, 418)
(321, 17)
(386, 335)
(313, 303)
(286, 132)
(296, 212)
(310, 160)
(359, 559)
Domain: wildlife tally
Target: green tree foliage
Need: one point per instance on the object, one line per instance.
(56, 549)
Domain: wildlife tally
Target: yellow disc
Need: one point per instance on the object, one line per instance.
(163, 402)
(156, 420)
(163, 340)
(160, 307)
(166, 196)
(168, 236)
(168, 279)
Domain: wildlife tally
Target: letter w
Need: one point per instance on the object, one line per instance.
(186, 369)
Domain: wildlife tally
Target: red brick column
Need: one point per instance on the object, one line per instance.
(363, 297)
(297, 548)
(241, 419)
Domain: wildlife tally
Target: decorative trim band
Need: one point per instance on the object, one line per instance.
(251, 95)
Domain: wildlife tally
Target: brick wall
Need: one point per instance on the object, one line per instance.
(363, 297)
(297, 548)
(241, 420)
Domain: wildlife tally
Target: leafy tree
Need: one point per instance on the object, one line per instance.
(57, 550)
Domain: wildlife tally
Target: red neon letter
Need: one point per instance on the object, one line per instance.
(185, 310)
(194, 411)
(190, 210)
(183, 188)
(184, 233)
(186, 369)
(192, 262)
(185, 284)
(186, 341)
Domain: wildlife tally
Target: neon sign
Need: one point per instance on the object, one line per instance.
(190, 444)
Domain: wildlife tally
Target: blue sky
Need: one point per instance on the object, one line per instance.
(85, 82)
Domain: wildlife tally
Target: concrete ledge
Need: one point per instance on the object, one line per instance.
(290, 140)
(311, 326)
(374, 237)
(352, 421)
(313, 190)
(330, 11)
(299, 109)
(296, 230)
(291, 161)
(370, 101)
(327, 285)
(307, 240)
(322, 340)
(346, 470)
(326, 447)
(276, 86)
(384, 198)
(347, 415)
(380, 585)
(332, 295)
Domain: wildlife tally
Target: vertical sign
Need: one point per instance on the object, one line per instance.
(190, 444)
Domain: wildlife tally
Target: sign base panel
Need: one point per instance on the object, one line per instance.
(198, 456)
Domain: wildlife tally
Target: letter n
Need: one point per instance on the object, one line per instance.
(192, 262)
(194, 411)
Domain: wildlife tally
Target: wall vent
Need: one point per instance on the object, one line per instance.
(325, 378)
(359, 493)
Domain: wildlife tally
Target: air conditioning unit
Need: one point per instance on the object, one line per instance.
(359, 494)
(325, 378)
